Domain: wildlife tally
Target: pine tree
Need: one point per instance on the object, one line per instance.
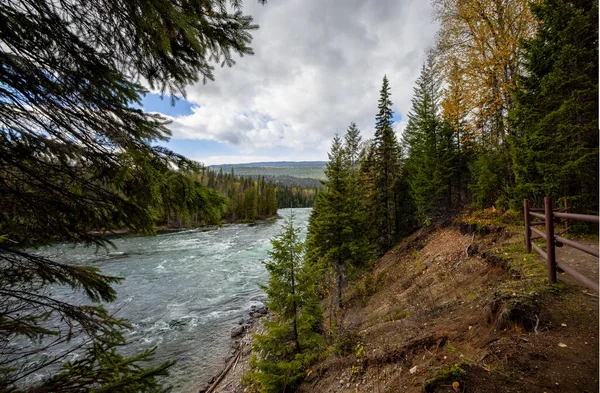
(385, 161)
(292, 340)
(356, 227)
(334, 214)
(76, 156)
(555, 145)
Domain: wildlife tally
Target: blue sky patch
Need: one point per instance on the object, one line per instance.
(152, 102)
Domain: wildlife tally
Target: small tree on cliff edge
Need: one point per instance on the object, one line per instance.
(293, 338)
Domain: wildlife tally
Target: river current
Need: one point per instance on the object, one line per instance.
(184, 291)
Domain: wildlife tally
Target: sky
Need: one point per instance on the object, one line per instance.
(318, 65)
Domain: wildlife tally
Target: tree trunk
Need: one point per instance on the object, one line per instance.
(295, 307)
(339, 282)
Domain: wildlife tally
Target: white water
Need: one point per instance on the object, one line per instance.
(184, 291)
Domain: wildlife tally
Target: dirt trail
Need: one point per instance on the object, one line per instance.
(582, 262)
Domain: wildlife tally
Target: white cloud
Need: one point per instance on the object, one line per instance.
(318, 66)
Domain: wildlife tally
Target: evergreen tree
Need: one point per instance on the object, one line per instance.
(334, 214)
(292, 340)
(76, 157)
(352, 144)
(385, 161)
(359, 252)
(429, 148)
(336, 234)
(555, 145)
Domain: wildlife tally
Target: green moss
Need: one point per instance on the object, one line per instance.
(444, 374)
(515, 302)
(451, 348)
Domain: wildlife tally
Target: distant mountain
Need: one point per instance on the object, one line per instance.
(301, 173)
(294, 164)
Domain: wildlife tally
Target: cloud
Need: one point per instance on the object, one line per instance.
(318, 66)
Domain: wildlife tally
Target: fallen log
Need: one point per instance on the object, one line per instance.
(225, 371)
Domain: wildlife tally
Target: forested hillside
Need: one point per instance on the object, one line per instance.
(505, 108)
(302, 170)
(254, 198)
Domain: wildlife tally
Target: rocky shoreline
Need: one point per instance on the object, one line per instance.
(228, 379)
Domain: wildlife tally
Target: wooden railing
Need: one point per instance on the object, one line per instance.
(553, 240)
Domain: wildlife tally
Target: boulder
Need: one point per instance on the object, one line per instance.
(262, 310)
(237, 331)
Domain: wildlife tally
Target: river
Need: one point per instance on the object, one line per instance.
(184, 291)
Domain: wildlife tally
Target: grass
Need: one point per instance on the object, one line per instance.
(472, 296)
(527, 270)
(490, 218)
(365, 287)
(398, 314)
(514, 303)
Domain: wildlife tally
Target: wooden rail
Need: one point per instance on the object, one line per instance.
(551, 217)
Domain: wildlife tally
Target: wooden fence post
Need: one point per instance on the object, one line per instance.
(550, 250)
(527, 226)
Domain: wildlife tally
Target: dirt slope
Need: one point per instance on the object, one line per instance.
(449, 306)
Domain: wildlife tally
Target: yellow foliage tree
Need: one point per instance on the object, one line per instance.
(478, 48)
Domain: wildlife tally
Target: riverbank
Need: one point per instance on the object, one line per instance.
(161, 229)
(458, 307)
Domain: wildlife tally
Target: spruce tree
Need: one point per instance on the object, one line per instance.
(292, 340)
(385, 161)
(77, 156)
(429, 146)
(337, 239)
(555, 141)
(356, 229)
(334, 214)
(352, 145)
